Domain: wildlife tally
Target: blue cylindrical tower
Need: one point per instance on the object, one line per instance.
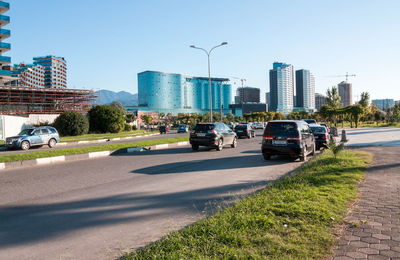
(5, 73)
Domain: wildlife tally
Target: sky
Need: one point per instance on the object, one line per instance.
(106, 43)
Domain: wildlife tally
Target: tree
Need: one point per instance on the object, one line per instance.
(147, 119)
(364, 101)
(118, 105)
(333, 98)
(230, 117)
(106, 118)
(356, 112)
(71, 123)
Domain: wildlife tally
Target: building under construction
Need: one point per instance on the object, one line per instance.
(29, 100)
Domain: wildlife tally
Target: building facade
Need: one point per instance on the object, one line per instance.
(305, 90)
(5, 61)
(345, 93)
(28, 75)
(320, 100)
(281, 79)
(247, 95)
(55, 71)
(384, 104)
(246, 108)
(176, 93)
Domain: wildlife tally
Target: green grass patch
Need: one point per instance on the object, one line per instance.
(87, 149)
(91, 137)
(293, 218)
(370, 124)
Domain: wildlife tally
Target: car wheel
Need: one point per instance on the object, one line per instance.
(303, 156)
(195, 147)
(249, 136)
(220, 145)
(267, 157)
(313, 150)
(234, 143)
(52, 143)
(25, 145)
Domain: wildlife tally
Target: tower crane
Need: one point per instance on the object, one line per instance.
(242, 80)
(347, 75)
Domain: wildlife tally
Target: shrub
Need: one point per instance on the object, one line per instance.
(127, 128)
(106, 119)
(134, 127)
(71, 123)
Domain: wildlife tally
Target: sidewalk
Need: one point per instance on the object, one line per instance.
(373, 229)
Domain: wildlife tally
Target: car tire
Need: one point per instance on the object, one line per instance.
(220, 145)
(25, 145)
(303, 156)
(234, 143)
(52, 142)
(267, 157)
(195, 147)
(313, 150)
(249, 136)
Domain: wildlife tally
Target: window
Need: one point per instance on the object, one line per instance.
(45, 132)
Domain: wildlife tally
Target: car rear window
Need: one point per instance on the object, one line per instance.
(281, 129)
(203, 127)
(318, 130)
(310, 121)
(241, 127)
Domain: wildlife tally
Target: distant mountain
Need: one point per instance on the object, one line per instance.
(105, 97)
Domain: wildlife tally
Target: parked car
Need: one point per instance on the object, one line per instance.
(163, 129)
(321, 135)
(44, 135)
(244, 130)
(183, 128)
(213, 135)
(258, 126)
(327, 127)
(310, 121)
(288, 137)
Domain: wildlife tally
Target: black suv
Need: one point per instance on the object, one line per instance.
(288, 137)
(321, 135)
(213, 135)
(244, 130)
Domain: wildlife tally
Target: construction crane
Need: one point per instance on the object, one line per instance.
(347, 76)
(242, 80)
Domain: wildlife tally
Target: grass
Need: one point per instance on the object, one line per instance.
(87, 149)
(293, 218)
(91, 137)
(370, 124)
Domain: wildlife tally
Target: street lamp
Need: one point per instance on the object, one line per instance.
(209, 74)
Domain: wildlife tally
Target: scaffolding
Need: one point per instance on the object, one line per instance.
(27, 100)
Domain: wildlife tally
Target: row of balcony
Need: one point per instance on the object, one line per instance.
(5, 60)
(5, 73)
(4, 34)
(4, 20)
(4, 7)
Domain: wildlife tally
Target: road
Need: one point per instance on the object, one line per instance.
(100, 208)
(122, 140)
(373, 136)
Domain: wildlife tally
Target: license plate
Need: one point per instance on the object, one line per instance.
(279, 142)
(240, 131)
(201, 134)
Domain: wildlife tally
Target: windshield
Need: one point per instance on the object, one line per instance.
(318, 130)
(241, 127)
(203, 127)
(26, 132)
(281, 129)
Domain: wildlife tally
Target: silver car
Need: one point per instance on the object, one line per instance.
(44, 135)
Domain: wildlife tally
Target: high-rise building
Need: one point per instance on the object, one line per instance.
(281, 82)
(305, 90)
(176, 93)
(320, 100)
(345, 93)
(55, 71)
(248, 95)
(28, 75)
(5, 69)
(384, 104)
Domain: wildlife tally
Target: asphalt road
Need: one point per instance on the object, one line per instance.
(101, 208)
(122, 140)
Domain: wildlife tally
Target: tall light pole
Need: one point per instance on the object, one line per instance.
(209, 73)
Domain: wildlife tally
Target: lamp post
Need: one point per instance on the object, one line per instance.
(209, 73)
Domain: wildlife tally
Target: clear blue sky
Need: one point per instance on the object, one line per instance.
(106, 43)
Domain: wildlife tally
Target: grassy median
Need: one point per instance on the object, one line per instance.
(294, 218)
(87, 149)
(91, 137)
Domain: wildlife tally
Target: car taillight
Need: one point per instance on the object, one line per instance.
(211, 132)
(268, 137)
(293, 138)
(193, 132)
(325, 137)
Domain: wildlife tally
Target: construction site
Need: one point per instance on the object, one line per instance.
(22, 101)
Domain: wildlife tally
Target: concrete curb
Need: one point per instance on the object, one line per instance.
(93, 155)
(106, 140)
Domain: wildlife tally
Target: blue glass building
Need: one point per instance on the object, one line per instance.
(5, 71)
(176, 93)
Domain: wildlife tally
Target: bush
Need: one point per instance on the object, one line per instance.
(127, 128)
(71, 123)
(106, 119)
(134, 128)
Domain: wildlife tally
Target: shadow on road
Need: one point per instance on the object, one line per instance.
(370, 131)
(25, 224)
